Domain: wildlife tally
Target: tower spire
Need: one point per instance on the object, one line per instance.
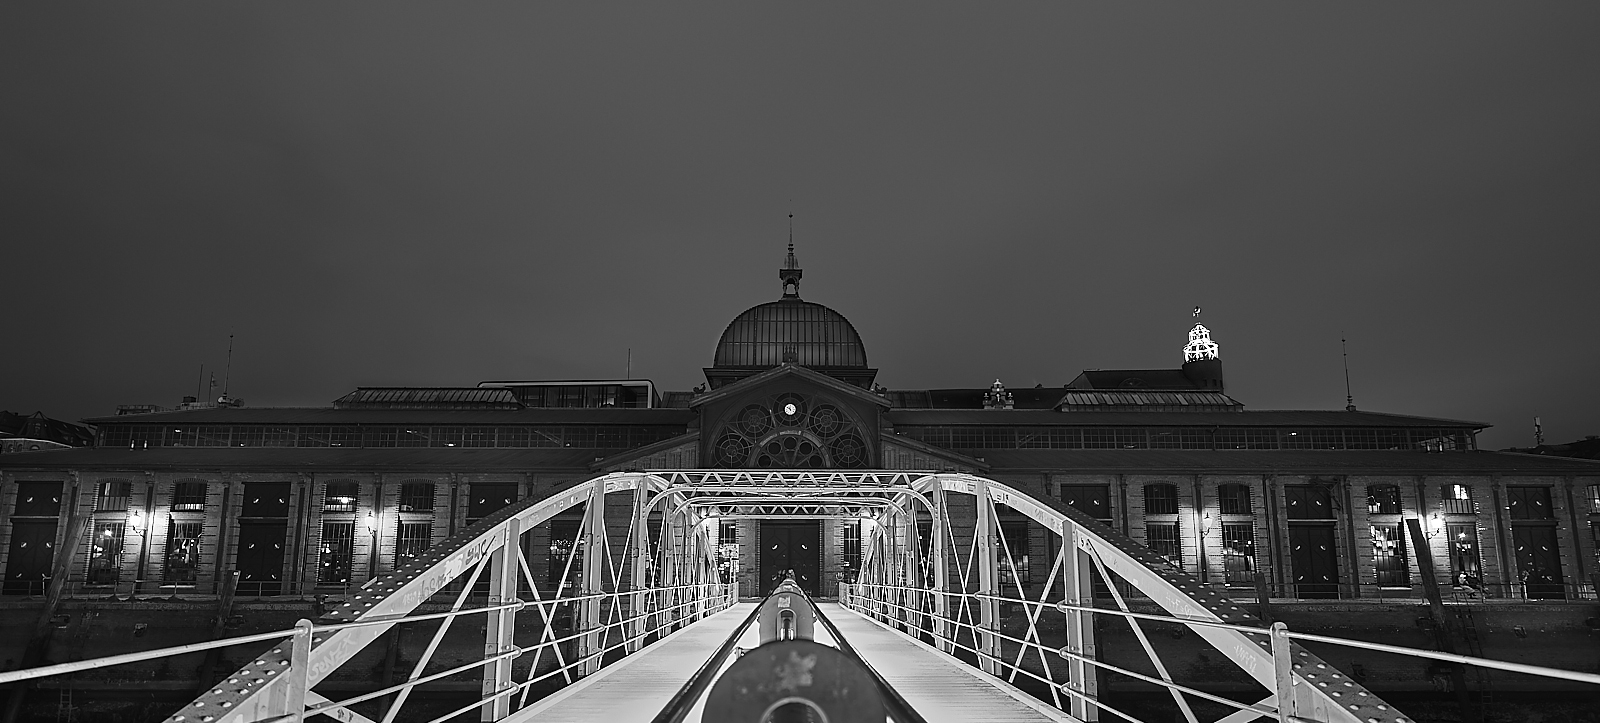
(790, 273)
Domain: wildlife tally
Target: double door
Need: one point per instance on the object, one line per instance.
(790, 546)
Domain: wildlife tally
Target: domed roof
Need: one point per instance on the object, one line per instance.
(808, 334)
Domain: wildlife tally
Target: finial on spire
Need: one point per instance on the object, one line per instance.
(790, 273)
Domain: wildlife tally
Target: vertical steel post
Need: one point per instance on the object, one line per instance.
(640, 565)
(988, 581)
(941, 569)
(594, 562)
(299, 671)
(671, 570)
(910, 574)
(501, 625)
(1078, 579)
(1283, 671)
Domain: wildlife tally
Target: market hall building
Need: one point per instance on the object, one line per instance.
(306, 501)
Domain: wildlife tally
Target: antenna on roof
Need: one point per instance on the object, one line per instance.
(200, 384)
(630, 364)
(227, 374)
(1538, 433)
(1349, 401)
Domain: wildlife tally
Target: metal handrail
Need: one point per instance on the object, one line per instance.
(518, 651)
(1065, 653)
(1559, 673)
(13, 676)
(868, 602)
(683, 700)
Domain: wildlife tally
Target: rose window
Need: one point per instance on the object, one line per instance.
(790, 431)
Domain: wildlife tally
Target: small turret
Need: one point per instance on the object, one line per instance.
(998, 398)
(1201, 362)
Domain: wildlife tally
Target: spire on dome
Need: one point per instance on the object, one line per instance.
(790, 273)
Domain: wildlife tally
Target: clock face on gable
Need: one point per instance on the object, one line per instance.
(789, 431)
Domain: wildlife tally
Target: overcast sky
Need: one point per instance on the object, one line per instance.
(390, 194)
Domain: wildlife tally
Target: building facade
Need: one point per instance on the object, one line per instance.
(1309, 504)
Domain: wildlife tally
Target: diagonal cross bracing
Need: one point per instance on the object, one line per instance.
(894, 499)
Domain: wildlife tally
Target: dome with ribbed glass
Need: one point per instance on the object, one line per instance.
(793, 331)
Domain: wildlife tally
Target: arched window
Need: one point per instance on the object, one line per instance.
(790, 431)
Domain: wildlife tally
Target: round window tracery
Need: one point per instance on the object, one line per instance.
(790, 431)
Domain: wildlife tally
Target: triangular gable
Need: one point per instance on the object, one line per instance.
(789, 370)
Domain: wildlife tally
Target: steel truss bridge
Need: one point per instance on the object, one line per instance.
(938, 617)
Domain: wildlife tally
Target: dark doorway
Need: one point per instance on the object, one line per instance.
(261, 558)
(32, 552)
(790, 546)
(1315, 561)
(1538, 565)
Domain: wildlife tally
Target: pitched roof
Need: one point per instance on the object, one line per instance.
(1080, 400)
(292, 458)
(1263, 418)
(1025, 398)
(428, 398)
(1158, 461)
(1133, 378)
(38, 426)
(328, 415)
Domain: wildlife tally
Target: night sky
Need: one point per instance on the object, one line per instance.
(385, 194)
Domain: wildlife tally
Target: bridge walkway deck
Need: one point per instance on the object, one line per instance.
(937, 686)
(636, 687)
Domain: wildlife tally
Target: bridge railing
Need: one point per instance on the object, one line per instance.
(625, 581)
(941, 566)
(913, 610)
(952, 577)
(686, 603)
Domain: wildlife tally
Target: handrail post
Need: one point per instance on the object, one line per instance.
(988, 581)
(1283, 671)
(1078, 587)
(641, 564)
(594, 561)
(299, 671)
(500, 628)
(941, 569)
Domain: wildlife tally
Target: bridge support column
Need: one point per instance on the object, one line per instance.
(1078, 577)
(501, 625)
(594, 564)
(941, 568)
(988, 581)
